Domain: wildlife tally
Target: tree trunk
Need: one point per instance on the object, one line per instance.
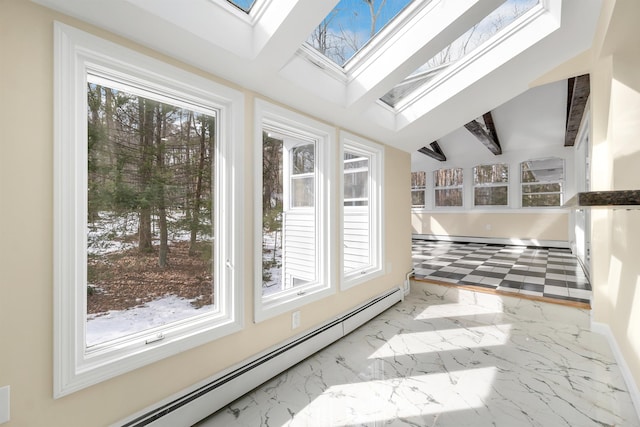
(145, 110)
(163, 252)
(195, 214)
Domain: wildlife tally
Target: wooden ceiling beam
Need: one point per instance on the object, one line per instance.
(485, 130)
(434, 152)
(578, 90)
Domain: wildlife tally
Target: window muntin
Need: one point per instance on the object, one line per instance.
(82, 113)
(542, 182)
(448, 187)
(418, 189)
(491, 185)
(361, 210)
(351, 25)
(463, 46)
(292, 222)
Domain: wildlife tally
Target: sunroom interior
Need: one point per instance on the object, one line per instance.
(292, 153)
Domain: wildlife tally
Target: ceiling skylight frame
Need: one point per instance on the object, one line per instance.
(450, 70)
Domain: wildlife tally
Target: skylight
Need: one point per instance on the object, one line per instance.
(244, 5)
(351, 25)
(475, 37)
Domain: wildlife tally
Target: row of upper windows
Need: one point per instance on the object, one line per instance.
(148, 220)
(541, 185)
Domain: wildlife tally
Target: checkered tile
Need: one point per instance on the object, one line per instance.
(545, 272)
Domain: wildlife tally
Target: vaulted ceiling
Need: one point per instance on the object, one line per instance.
(265, 51)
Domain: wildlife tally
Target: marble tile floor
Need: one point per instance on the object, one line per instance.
(450, 357)
(552, 273)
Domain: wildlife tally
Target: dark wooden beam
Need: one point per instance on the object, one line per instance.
(434, 152)
(485, 130)
(578, 89)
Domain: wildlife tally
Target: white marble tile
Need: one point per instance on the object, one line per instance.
(447, 357)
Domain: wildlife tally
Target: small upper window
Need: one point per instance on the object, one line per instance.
(542, 182)
(418, 187)
(448, 187)
(491, 185)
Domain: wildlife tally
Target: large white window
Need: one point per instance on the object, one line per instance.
(362, 175)
(448, 188)
(147, 184)
(418, 189)
(292, 215)
(491, 185)
(542, 182)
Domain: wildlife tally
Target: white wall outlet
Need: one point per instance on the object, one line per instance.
(4, 404)
(295, 320)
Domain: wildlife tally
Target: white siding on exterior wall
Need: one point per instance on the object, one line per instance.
(356, 238)
(299, 256)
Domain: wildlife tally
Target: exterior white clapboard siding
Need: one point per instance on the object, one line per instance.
(356, 238)
(299, 256)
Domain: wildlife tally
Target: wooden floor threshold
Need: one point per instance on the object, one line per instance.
(566, 303)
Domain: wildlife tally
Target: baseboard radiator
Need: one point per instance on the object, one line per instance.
(202, 400)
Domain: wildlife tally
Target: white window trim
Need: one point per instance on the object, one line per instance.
(493, 185)
(562, 183)
(375, 152)
(76, 53)
(267, 114)
(451, 187)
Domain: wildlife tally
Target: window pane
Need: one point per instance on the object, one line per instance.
(288, 235)
(490, 196)
(272, 215)
(356, 185)
(448, 177)
(491, 174)
(302, 191)
(541, 188)
(449, 197)
(150, 213)
(418, 179)
(350, 25)
(545, 170)
(417, 198)
(540, 200)
(303, 159)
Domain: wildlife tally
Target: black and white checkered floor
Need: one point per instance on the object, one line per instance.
(541, 272)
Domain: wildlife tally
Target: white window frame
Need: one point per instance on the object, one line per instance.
(278, 118)
(561, 182)
(451, 187)
(419, 188)
(76, 54)
(490, 185)
(375, 153)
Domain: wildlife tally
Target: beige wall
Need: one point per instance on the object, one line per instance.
(516, 225)
(615, 115)
(26, 304)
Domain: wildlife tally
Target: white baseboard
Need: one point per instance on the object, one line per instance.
(495, 240)
(604, 329)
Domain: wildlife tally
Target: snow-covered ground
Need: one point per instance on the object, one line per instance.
(119, 323)
(275, 282)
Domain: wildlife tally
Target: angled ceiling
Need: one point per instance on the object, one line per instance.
(265, 51)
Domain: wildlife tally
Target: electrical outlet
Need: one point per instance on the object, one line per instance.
(4, 404)
(295, 320)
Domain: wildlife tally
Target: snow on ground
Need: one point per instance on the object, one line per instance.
(118, 323)
(275, 284)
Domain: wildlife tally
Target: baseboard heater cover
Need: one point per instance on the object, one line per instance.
(495, 240)
(202, 400)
